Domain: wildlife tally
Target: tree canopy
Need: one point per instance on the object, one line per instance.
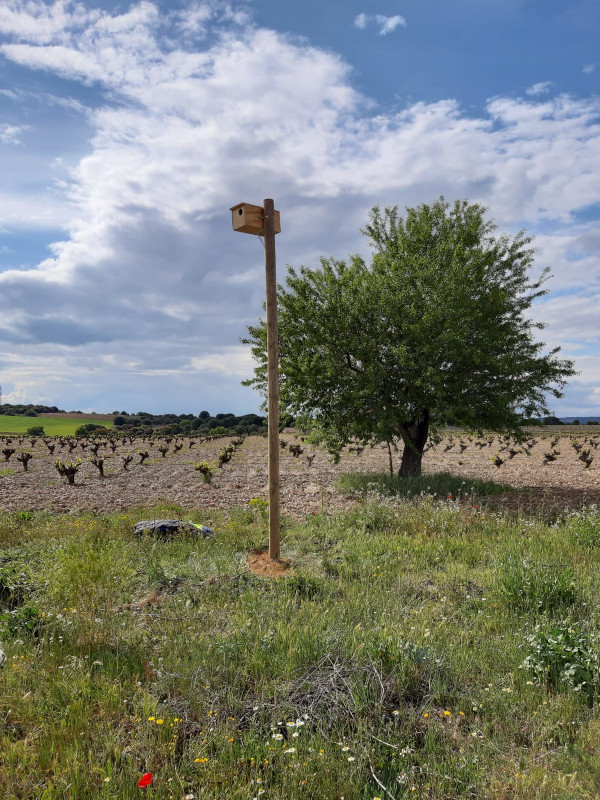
(434, 330)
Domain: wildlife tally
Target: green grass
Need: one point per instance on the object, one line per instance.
(53, 426)
(439, 484)
(404, 657)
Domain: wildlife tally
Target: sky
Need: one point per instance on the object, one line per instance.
(128, 130)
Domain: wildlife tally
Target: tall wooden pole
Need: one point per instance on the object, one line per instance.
(273, 378)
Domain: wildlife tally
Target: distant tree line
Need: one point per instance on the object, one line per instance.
(144, 422)
(203, 424)
(29, 410)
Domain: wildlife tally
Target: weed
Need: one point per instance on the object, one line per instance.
(529, 585)
(564, 656)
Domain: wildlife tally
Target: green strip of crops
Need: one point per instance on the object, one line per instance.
(53, 426)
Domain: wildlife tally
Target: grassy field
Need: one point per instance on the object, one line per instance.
(417, 648)
(53, 426)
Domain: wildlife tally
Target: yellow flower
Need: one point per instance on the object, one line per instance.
(159, 721)
(151, 719)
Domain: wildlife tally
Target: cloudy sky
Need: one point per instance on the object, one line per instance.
(127, 130)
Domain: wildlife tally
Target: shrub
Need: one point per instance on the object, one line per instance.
(88, 429)
(36, 430)
(564, 656)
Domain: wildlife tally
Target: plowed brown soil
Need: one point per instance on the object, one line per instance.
(305, 488)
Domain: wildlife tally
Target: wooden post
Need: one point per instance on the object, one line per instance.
(273, 378)
(265, 221)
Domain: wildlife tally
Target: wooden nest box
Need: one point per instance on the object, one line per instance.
(247, 218)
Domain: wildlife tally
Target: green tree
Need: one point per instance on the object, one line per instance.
(434, 330)
(35, 430)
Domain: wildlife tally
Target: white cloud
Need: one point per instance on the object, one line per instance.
(231, 361)
(11, 134)
(149, 280)
(539, 88)
(588, 69)
(386, 24)
(389, 24)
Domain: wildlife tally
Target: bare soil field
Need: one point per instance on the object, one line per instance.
(305, 488)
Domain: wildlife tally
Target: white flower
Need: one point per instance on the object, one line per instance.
(290, 750)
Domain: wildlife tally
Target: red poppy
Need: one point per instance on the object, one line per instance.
(145, 780)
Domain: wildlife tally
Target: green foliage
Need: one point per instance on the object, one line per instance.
(88, 429)
(434, 330)
(206, 470)
(260, 507)
(564, 656)
(528, 585)
(22, 621)
(35, 430)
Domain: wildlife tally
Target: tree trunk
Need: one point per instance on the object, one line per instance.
(414, 436)
(389, 447)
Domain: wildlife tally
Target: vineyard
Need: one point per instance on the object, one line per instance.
(552, 468)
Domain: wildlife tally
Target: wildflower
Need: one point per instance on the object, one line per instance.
(159, 721)
(145, 780)
(395, 713)
(278, 736)
(447, 713)
(106, 780)
(290, 750)
(351, 758)
(345, 749)
(151, 719)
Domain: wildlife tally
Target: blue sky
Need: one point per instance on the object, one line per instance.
(128, 129)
